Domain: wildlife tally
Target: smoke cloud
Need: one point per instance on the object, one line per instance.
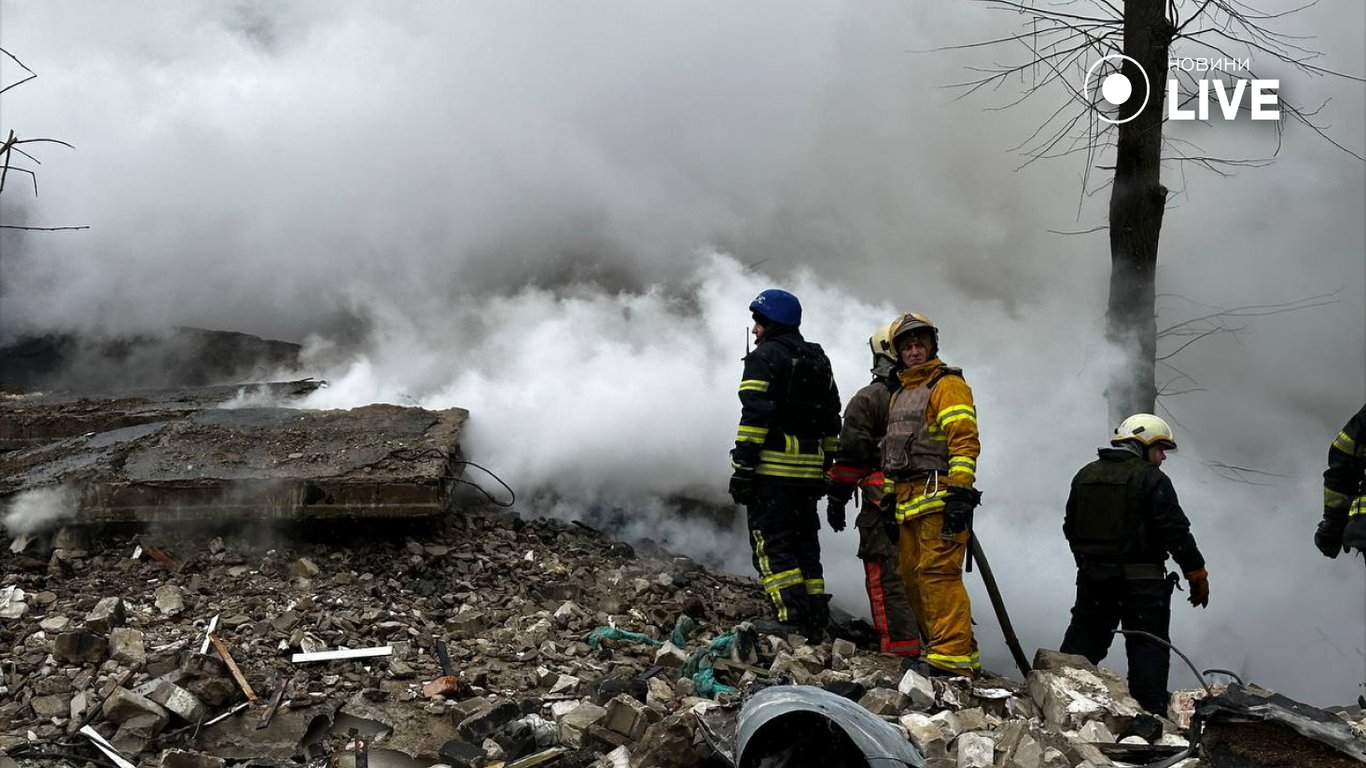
(556, 215)
(38, 510)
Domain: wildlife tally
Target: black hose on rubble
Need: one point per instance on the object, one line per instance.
(406, 454)
(1198, 676)
(511, 493)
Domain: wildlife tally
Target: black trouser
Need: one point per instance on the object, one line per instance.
(786, 552)
(1105, 602)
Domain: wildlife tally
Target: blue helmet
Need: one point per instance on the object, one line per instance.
(778, 306)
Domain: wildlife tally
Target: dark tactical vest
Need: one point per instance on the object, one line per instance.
(804, 407)
(1106, 513)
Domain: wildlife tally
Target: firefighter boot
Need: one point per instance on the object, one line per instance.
(817, 621)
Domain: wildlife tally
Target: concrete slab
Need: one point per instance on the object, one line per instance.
(253, 463)
(28, 420)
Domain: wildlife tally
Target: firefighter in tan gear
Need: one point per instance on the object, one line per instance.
(858, 466)
(929, 457)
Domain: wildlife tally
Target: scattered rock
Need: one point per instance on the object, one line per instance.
(125, 647)
(169, 600)
(80, 646)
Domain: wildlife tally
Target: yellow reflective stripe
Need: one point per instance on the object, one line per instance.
(1334, 500)
(746, 434)
(783, 580)
(944, 421)
(791, 445)
(761, 554)
(908, 509)
(792, 459)
(955, 413)
(1358, 507)
(830, 444)
(973, 661)
(815, 586)
(772, 470)
(754, 385)
(965, 463)
(1345, 443)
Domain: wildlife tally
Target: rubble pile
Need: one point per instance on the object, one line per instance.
(482, 640)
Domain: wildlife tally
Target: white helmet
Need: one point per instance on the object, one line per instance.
(1146, 430)
(881, 342)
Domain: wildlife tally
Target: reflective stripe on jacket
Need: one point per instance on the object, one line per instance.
(760, 442)
(949, 424)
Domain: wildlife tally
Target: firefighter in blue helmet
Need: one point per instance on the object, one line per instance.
(785, 444)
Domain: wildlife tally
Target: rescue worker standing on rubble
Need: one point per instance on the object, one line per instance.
(788, 433)
(858, 467)
(1122, 521)
(929, 457)
(1344, 491)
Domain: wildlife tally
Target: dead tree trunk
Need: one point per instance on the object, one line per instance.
(1137, 201)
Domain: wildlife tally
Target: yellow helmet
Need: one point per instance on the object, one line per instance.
(1146, 430)
(881, 342)
(912, 322)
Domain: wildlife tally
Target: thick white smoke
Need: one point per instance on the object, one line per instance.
(555, 216)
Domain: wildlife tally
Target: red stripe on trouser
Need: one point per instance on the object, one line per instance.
(843, 473)
(901, 647)
(876, 600)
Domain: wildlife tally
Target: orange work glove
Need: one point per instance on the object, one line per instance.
(1199, 583)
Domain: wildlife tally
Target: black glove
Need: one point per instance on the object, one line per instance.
(958, 510)
(834, 513)
(1328, 537)
(742, 485)
(889, 522)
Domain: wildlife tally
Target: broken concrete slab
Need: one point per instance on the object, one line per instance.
(263, 463)
(107, 614)
(179, 702)
(179, 758)
(1247, 727)
(36, 419)
(574, 723)
(1070, 691)
(124, 705)
(80, 646)
(126, 647)
(101, 362)
(237, 737)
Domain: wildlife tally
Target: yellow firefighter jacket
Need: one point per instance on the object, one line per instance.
(949, 422)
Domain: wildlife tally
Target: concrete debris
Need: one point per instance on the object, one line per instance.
(429, 652)
(976, 750)
(210, 463)
(12, 605)
(1071, 691)
(1247, 727)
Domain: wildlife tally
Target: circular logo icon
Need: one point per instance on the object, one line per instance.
(1116, 89)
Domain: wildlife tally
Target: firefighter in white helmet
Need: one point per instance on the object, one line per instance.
(858, 467)
(1122, 522)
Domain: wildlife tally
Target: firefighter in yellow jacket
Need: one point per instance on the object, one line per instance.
(929, 457)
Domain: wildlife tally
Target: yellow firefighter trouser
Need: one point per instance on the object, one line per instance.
(932, 568)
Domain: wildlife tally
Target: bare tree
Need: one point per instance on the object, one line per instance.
(13, 145)
(1059, 44)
